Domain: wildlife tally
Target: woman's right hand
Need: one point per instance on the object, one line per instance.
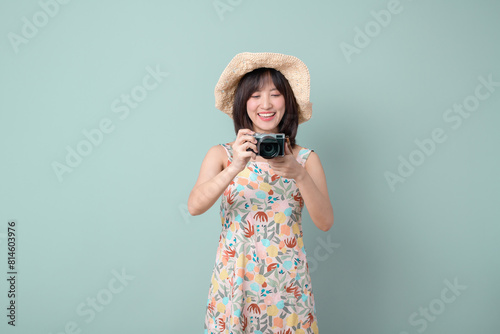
(244, 141)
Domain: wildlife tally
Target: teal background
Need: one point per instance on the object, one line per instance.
(124, 206)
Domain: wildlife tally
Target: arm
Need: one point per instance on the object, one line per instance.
(212, 181)
(312, 186)
(213, 178)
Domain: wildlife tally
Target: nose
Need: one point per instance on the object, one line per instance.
(266, 102)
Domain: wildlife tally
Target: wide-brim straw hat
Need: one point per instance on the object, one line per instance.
(294, 70)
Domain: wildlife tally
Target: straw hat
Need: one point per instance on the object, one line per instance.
(294, 70)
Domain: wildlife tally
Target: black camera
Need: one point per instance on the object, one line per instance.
(270, 145)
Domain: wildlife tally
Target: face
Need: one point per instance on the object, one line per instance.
(266, 108)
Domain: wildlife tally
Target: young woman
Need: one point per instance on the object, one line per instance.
(261, 281)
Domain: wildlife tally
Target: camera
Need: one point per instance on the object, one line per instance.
(270, 145)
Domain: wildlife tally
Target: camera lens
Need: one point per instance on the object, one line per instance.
(268, 148)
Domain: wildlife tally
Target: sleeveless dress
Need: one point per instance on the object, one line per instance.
(261, 282)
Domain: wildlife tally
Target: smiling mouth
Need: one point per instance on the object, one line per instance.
(266, 115)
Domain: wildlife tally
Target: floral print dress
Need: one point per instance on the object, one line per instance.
(260, 282)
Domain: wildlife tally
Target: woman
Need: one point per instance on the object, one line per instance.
(261, 282)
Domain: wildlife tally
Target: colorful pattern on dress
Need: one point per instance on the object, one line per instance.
(261, 282)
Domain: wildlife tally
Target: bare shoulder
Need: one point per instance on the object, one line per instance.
(298, 148)
(217, 154)
(313, 161)
(212, 164)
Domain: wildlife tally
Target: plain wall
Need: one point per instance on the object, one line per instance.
(105, 243)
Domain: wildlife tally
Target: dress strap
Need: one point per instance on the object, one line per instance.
(229, 151)
(303, 155)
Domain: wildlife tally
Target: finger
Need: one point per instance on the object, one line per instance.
(250, 147)
(246, 138)
(288, 147)
(242, 132)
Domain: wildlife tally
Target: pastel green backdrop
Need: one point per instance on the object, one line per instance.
(105, 244)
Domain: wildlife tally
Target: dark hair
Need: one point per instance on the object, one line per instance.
(253, 81)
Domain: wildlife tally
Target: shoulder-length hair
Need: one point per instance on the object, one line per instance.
(255, 80)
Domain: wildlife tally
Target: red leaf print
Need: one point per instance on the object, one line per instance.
(290, 243)
(228, 253)
(254, 308)
(293, 289)
(222, 325)
(288, 331)
(271, 266)
(249, 230)
(274, 177)
(230, 199)
(244, 323)
(260, 216)
(231, 252)
(211, 306)
(310, 318)
(298, 198)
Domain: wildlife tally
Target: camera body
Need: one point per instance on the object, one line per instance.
(270, 145)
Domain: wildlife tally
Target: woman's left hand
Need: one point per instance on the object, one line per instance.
(287, 166)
